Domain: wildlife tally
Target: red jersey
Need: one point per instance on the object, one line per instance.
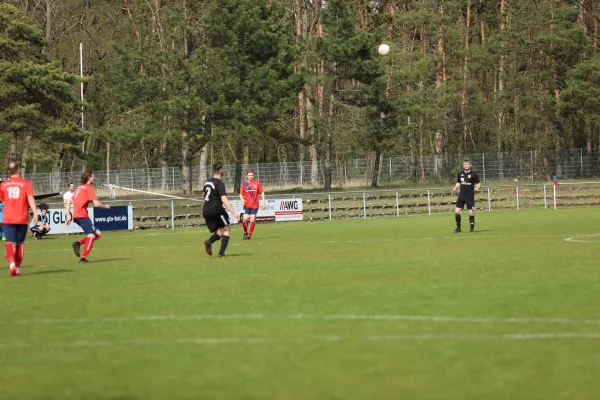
(13, 194)
(81, 199)
(250, 192)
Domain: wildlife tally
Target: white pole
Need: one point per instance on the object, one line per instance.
(153, 193)
(554, 186)
(172, 215)
(364, 205)
(545, 200)
(429, 202)
(489, 200)
(81, 89)
(397, 205)
(330, 207)
(517, 197)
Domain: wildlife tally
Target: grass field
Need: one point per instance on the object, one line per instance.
(394, 308)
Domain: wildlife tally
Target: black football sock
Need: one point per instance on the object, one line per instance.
(214, 238)
(224, 244)
(457, 216)
(472, 221)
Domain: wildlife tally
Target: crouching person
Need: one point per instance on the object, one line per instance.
(42, 227)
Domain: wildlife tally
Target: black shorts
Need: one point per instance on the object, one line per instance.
(217, 221)
(15, 233)
(87, 225)
(470, 203)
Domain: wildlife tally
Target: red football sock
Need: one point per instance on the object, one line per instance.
(10, 254)
(98, 236)
(19, 255)
(83, 241)
(89, 243)
(252, 225)
(245, 225)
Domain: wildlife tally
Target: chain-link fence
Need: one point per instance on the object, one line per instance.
(532, 166)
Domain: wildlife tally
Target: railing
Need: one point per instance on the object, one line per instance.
(528, 166)
(172, 214)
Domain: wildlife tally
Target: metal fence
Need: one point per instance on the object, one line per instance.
(172, 214)
(531, 166)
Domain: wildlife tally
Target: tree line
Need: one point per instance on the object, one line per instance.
(183, 83)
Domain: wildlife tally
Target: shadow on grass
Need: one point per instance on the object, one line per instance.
(49, 271)
(106, 260)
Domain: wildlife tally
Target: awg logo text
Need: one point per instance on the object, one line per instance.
(289, 205)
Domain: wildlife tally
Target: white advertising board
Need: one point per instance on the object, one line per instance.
(117, 218)
(276, 210)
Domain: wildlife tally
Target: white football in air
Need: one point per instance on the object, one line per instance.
(383, 49)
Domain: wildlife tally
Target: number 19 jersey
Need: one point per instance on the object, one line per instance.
(13, 194)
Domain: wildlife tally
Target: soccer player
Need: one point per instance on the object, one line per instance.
(84, 195)
(249, 195)
(468, 182)
(215, 215)
(16, 194)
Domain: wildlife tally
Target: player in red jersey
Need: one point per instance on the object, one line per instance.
(16, 194)
(249, 195)
(83, 196)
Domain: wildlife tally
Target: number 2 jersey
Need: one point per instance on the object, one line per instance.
(13, 194)
(213, 190)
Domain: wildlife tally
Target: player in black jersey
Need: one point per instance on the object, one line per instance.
(468, 182)
(214, 213)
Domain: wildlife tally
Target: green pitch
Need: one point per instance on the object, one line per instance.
(356, 309)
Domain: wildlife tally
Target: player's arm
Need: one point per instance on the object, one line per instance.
(477, 183)
(242, 191)
(97, 204)
(31, 202)
(228, 206)
(455, 188)
(264, 203)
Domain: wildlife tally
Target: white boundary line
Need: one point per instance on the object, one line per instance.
(269, 340)
(580, 238)
(333, 317)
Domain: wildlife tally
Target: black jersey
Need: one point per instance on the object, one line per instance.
(213, 190)
(467, 181)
